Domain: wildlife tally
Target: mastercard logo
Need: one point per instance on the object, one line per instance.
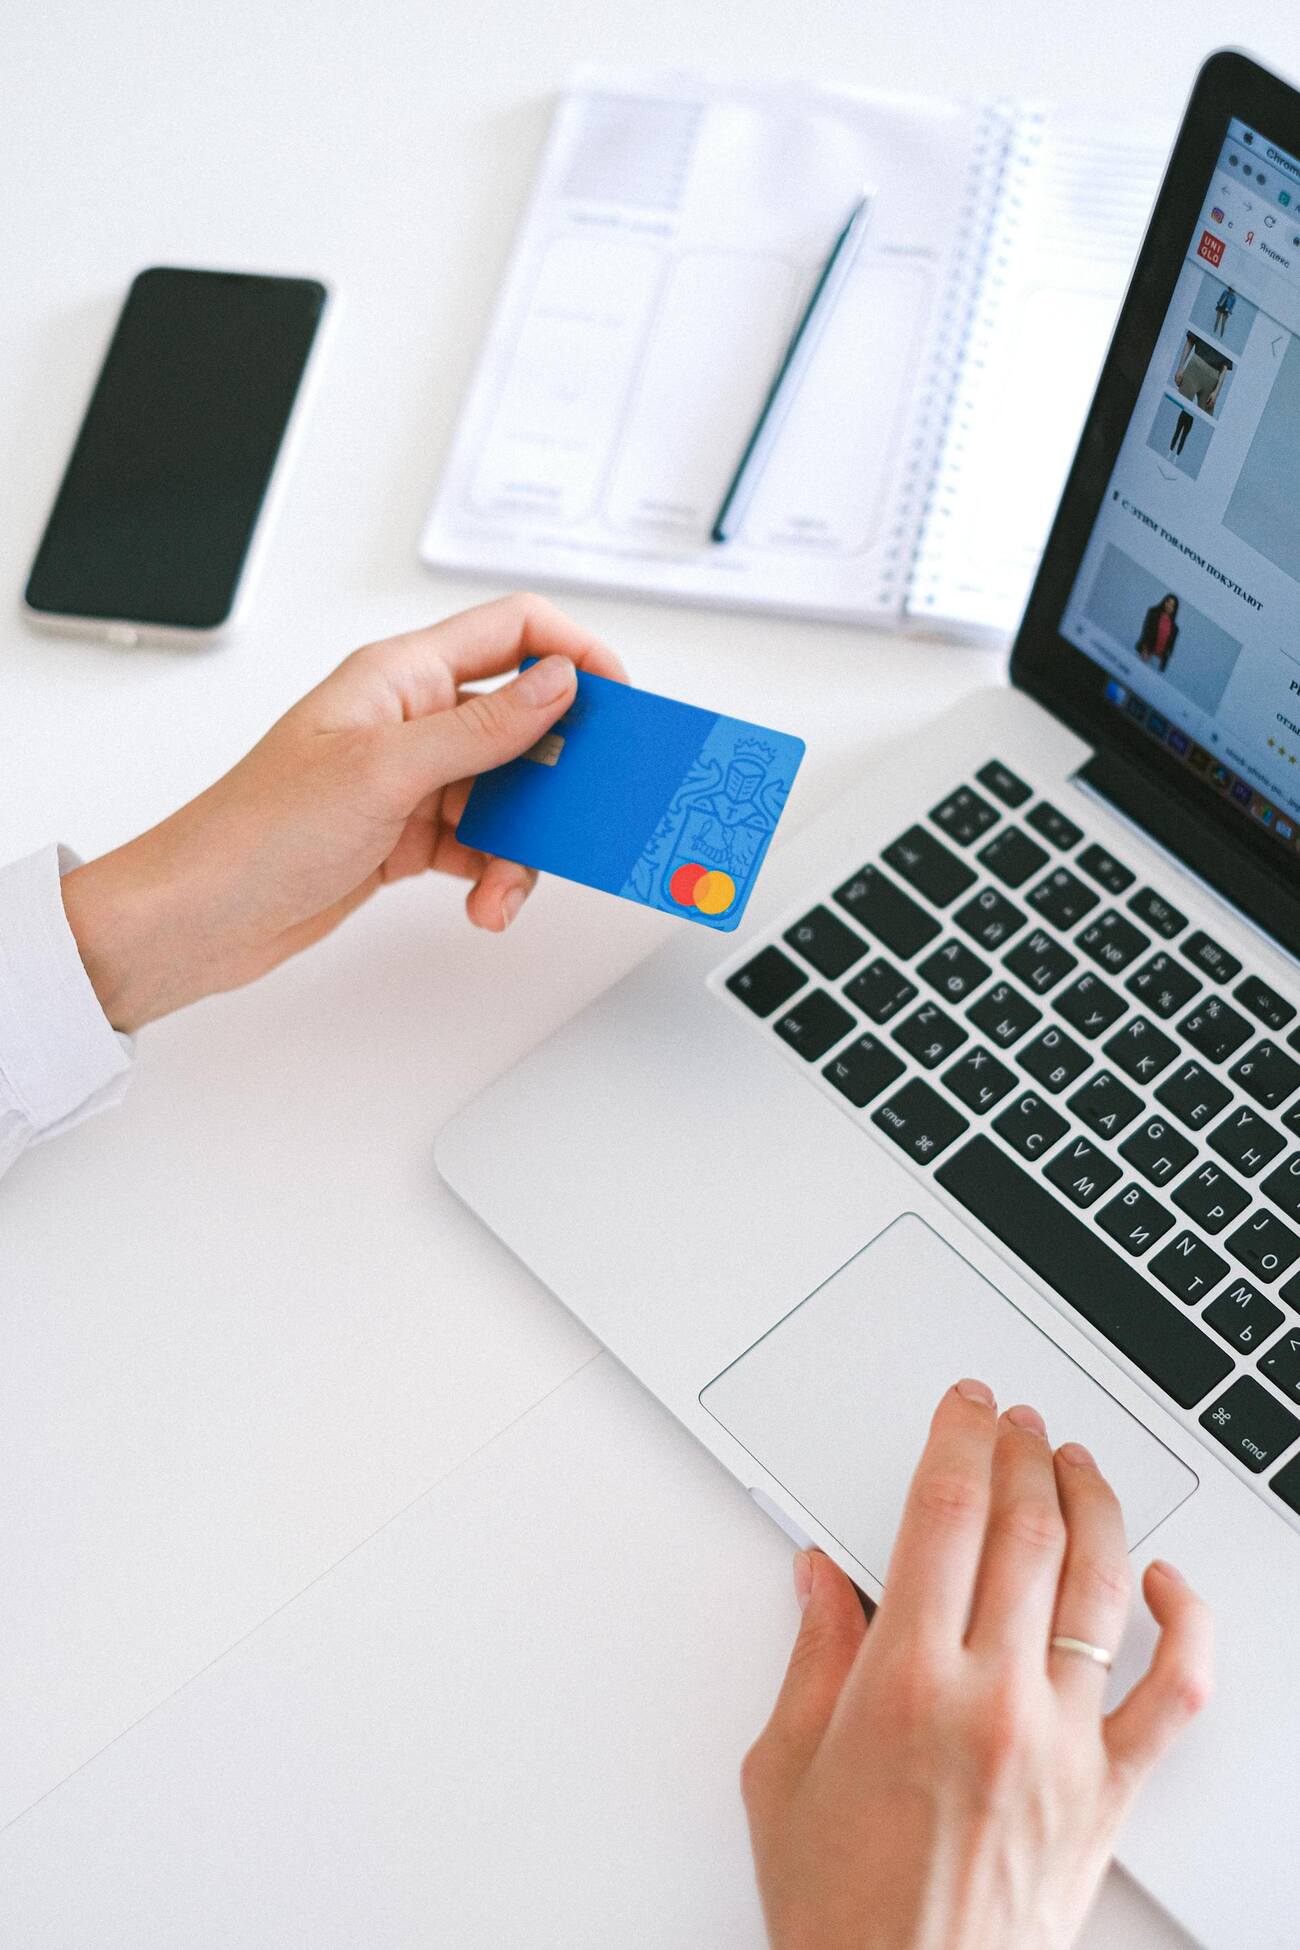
(704, 888)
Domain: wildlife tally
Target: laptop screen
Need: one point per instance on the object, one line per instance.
(1187, 595)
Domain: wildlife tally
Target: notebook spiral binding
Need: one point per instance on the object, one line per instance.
(993, 211)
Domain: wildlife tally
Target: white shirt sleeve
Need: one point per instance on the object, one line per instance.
(60, 1058)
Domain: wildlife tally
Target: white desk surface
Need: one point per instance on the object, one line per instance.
(250, 1348)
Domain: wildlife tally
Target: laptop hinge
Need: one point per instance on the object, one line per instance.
(1259, 895)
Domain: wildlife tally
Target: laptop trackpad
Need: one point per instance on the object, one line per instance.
(836, 1399)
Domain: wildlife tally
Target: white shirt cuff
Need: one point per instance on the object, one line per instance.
(60, 1058)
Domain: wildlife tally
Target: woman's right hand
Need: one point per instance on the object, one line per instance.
(363, 781)
(942, 1779)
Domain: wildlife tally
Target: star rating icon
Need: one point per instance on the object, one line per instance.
(1282, 752)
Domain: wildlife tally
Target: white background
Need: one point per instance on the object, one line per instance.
(242, 1326)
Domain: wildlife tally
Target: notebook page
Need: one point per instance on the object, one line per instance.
(674, 233)
(1071, 212)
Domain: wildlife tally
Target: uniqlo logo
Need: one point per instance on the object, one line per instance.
(1210, 247)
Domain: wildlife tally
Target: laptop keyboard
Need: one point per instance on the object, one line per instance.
(1096, 1081)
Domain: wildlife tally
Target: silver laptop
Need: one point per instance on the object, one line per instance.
(1003, 1077)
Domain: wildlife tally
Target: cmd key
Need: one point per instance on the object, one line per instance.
(1251, 1424)
(919, 1121)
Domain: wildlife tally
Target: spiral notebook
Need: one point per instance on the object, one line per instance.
(674, 232)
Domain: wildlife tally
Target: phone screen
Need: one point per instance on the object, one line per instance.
(156, 511)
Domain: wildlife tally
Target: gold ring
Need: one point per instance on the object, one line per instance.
(1097, 1653)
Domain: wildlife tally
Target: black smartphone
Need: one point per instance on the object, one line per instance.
(151, 532)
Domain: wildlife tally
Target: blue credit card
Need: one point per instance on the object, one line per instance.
(644, 797)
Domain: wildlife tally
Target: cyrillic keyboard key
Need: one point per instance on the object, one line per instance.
(1215, 1029)
(1140, 1049)
(919, 1121)
(1251, 1424)
(1105, 869)
(863, 1070)
(1211, 1198)
(1090, 1005)
(1054, 1059)
(1105, 1104)
(766, 982)
(917, 856)
(1012, 856)
(1112, 941)
(989, 918)
(1039, 961)
(1004, 1014)
(1054, 826)
(1063, 1250)
(1135, 1219)
(1267, 1074)
(1003, 783)
(880, 991)
(1272, 1009)
(1282, 1186)
(886, 912)
(1062, 899)
(1188, 1267)
(1264, 1245)
(1282, 1365)
(1030, 1125)
(816, 1021)
(1209, 957)
(929, 1035)
(1157, 912)
(1163, 985)
(978, 1079)
(1082, 1171)
(1246, 1140)
(1243, 1316)
(826, 943)
(963, 815)
(1194, 1095)
(954, 970)
(1157, 1150)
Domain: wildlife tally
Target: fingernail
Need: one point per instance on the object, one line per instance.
(511, 903)
(542, 683)
(803, 1578)
(1166, 1570)
(1024, 1417)
(976, 1391)
(1076, 1455)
